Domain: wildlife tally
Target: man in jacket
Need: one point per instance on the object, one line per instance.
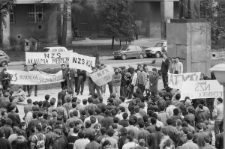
(154, 82)
(155, 138)
(116, 82)
(164, 69)
(35, 86)
(64, 71)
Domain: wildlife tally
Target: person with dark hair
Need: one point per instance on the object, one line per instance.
(153, 82)
(218, 115)
(88, 130)
(34, 86)
(46, 103)
(5, 144)
(200, 135)
(110, 137)
(170, 130)
(7, 128)
(165, 69)
(5, 78)
(151, 128)
(189, 144)
(107, 121)
(92, 144)
(133, 127)
(81, 142)
(38, 140)
(219, 141)
(155, 138)
(124, 122)
(62, 94)
(123, 137)
(142, 133)
(201, 115)
(101, 105)
(61, 110)
(190, 116)
(14, 116)
(130, 143)
(81, 79)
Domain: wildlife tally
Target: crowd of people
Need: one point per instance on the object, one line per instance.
(137, 114)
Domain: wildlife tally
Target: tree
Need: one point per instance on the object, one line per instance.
(214, 13)
(5, 7)
(118, 19)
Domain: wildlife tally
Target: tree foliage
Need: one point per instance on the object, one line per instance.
(214, 13)
(118, 19)
(5, 7)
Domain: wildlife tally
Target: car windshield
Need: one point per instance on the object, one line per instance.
(123, 48)
(159, 45)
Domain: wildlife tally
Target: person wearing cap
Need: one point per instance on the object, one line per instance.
(33, 86)
(5, 144)
(26, 87)
(19, 95)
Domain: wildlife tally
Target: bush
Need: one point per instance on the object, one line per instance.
(13, 42)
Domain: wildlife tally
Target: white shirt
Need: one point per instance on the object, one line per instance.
(80, 143)
(179, 67)
(129, 145)
(169, 110)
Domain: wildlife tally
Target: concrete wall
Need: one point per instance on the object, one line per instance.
(23, 29)
(190, 41)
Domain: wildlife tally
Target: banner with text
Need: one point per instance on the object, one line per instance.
(176, 80)
(47, 57)
(82, 62)
(34, 77)
(202, 89)
(103, 76)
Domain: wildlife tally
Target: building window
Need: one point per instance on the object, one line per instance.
(12, 16)
(35, 13)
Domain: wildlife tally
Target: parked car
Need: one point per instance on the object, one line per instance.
(55, 49)
(4, 58)
(129, 51)
(157, 50)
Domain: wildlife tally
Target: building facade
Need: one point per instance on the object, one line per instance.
(38, 19)
(149, 15)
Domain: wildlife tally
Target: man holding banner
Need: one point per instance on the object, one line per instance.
(34, 86)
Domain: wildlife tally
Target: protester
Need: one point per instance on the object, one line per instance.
(134, 119)
(34, 86)
(165, 69)
(19, 96)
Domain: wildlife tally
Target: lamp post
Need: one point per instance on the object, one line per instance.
(219, 72)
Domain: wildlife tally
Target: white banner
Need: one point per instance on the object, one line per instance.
(34, 77)
(176, 80)
(47, 57)
(202, 89)
(103, 76)
(82, 62)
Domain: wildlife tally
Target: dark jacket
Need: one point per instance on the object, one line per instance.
(155, 139)
(15, 118)
(5, 144)
(154, 82)
(219, 141)
(165, 66)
